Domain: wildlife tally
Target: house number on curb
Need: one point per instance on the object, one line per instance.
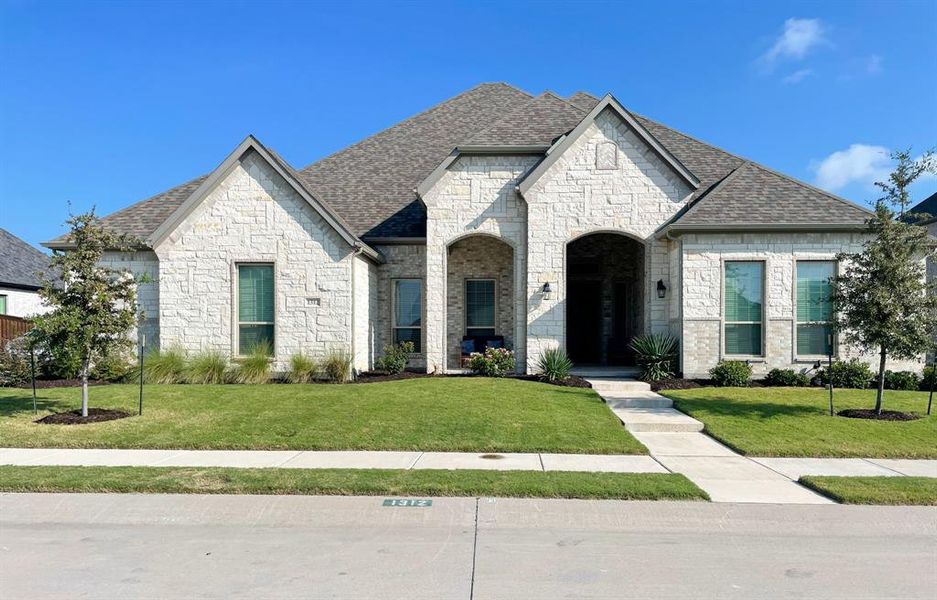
(406, 502)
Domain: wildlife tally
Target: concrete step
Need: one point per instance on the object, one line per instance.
(637, 400)
(656, 419)
(611, 386)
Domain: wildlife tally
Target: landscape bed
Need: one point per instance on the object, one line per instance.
(795, 422)
(470, 414)
(347, 482)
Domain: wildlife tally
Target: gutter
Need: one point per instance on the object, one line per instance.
(676, 230)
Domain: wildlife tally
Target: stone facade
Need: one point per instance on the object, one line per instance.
(703, 257)
(477, 194)
(402, 261)
(145, 268)
(254, 215)
(478, 257)
(584, 192)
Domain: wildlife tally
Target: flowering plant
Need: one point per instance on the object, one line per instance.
(494, 362)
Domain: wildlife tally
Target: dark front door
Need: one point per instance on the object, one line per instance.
(584, 321)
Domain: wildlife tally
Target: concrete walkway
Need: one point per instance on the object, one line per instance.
(676, 440)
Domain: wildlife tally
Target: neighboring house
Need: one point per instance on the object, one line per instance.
(21, 270)
(547, 221)
(928, 207)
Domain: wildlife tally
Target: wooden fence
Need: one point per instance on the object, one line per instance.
(13, 327)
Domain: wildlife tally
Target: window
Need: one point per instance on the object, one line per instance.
(814, 309)
(3, 305)
(480, 306)
(255, 307)
(408, 312)
(744, 302)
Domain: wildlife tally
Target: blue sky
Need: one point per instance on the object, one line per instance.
(107, 103)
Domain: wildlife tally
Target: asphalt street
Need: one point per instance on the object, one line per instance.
(148, 546)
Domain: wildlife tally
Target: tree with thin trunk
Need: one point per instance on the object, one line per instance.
(882, 301)
(92, 308)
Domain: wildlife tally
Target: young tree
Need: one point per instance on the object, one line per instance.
(907, 169)
(882, 301)
(93, 308)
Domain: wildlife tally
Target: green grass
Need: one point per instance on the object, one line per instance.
(876, 490)
(796, 422)
(444, 414)
(345, 482)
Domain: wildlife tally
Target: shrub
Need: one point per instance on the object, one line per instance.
(114, 368)
(395, 358)
(164, 366)
(493, 362)
(15, 362)
(786, 378)
(846, 374)
(303, 369)
(61, 361)
(255, 367)
(207, 367)
(902, 380)
(337, 365)
(731, 373)
(555, 364)
(656, 355)
(929, 374)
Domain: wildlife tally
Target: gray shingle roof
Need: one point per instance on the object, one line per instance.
(21, 265)
(927, 206)
(371, 184)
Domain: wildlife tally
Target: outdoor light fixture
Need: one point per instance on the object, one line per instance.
(661, 288)
(547, 291)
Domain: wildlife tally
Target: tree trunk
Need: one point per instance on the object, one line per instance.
(881, 381)
(85, 367)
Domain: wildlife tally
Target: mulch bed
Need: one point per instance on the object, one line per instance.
(73, 417)
(43, 384)
(679, 384)
(887, 415)
(376, 376)
(571, 381)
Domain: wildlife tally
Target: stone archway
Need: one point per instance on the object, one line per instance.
(480, 293)
(605, 298)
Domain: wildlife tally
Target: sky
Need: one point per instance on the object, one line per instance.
(103, 104)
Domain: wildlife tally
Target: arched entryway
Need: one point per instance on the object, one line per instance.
(605, 302)
(480, 301)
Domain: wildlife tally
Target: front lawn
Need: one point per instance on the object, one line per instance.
(439, 414)
(876, 490)
(796, 422)
(347, 482)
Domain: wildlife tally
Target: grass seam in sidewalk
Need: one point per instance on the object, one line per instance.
(350, 482)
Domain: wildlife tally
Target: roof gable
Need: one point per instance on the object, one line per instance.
(209, 183)
(607, 103)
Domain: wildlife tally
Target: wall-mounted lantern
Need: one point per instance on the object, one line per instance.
(547, 291)
(661, 289)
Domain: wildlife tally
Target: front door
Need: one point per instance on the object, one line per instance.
(584, 321)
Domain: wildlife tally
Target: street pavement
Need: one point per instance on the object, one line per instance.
(203, 546)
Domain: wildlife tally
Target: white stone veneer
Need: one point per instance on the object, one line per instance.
(22, 303)
(253, 215)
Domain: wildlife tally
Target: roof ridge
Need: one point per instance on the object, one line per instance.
(711, 191)
(759, 165)
(427, 111)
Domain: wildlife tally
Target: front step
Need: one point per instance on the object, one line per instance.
(618, 386)
(657, 420)
(637, 400)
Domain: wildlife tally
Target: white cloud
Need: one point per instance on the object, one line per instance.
(873, 65)
(797, 76)
(860, 163)
(798, 38)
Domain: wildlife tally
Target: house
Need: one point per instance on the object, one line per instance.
(928, 207)
(21, 271)
(542, 220)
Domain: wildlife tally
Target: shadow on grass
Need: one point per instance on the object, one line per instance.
(12, 406)
(726, 407)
